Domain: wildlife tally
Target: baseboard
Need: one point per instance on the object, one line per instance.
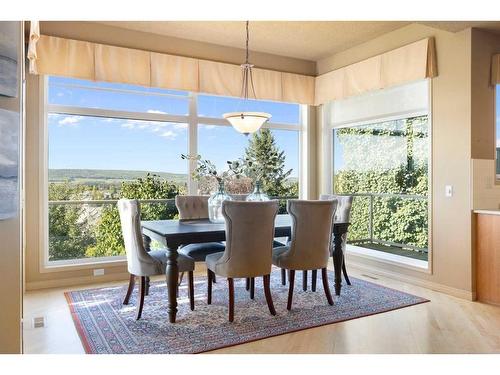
(460, 293)
(84, 280)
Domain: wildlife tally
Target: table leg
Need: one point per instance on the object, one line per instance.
(338, 257)
(172, 275)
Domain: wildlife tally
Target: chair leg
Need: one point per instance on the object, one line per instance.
(191, 289)
(326, 287)
(283, 276)
(267, 292)
(247, 283)
(148, 282)
(291, 280)
(252, 287)
(131, 284)
(180, 278)
(344, 271)
(142, 292)
(313, 279)
(230, 284)
(304, 280)
(214, 280)
(209, 287)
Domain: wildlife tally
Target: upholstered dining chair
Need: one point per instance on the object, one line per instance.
(309, 248)
(141, 263)
(249, 246)
(342, 215)
(193, 207)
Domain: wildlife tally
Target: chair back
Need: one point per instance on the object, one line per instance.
(192, 206)
(249, 238)
(343, 213)
(139, 262)
(311, 232)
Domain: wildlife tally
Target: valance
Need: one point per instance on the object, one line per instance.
(79, 59)
(495, 70)
(409, 63)
(72, 58)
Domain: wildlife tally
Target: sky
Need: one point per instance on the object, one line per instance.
(82, 142)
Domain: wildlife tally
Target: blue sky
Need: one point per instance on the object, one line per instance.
(100, 143)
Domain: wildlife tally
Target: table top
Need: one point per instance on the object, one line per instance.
(168, 227)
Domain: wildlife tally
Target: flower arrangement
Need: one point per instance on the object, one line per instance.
(205, 168)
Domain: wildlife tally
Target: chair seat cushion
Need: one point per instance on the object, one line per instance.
(184, 263)
(277, 244)
(278, 257)
(212, 259)
(199, 251)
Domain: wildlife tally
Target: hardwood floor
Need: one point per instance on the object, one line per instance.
(445, 325)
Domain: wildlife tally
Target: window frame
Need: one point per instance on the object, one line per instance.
(328, 184)
(191, 119)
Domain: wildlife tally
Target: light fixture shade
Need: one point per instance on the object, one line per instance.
(247, 122)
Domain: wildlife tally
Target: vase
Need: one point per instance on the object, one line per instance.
(215, 204)
(257, 195)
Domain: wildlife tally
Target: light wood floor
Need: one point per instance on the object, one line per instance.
(445, 325)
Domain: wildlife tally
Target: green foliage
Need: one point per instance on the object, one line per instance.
(398, 219)
(266, 163)
(69, 232)
(109, 241)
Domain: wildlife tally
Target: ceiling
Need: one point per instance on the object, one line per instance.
(307, 40)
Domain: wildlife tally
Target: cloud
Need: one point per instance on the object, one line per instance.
(209, 127)
(162, 129)
(169, 134)
(70, 120)
(156, 111)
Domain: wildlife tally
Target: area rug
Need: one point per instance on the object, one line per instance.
(107, 326)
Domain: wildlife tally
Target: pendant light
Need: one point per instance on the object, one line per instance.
(247, 122)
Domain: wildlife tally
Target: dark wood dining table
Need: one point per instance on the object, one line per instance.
(174, 233)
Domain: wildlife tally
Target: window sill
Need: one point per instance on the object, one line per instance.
(396, 260)
(83, 264)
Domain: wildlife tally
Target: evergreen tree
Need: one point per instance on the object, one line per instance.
(266, 163)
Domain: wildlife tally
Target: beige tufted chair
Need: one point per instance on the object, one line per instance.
(342, 215)
(141, 263)
(309, 247)
(249, 245)
(194, 207)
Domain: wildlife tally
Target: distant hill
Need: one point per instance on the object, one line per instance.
(104, 176)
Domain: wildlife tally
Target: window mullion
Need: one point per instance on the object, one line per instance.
(192, 141)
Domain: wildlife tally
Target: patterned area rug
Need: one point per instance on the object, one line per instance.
(107, 326)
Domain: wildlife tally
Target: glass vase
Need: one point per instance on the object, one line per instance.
(257, 195)
(215, 204)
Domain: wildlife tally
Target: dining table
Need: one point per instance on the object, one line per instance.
(173, 234)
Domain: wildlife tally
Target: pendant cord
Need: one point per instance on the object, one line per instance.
(246, 57)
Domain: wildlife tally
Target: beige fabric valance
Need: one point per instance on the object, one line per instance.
(79, 59)
(72, 58)
(409, 63)
(495, 70)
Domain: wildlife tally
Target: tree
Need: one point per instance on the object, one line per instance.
(267, 164)
(109, 240)
(69, 233)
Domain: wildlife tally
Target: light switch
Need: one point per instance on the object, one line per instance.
(448, 191)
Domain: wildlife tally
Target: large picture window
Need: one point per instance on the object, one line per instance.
(107, 141)
(383, 161)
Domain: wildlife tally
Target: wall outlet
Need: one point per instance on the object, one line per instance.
(448, 191)
(99, 272)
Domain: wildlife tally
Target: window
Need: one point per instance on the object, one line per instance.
(107, 141)
(383, 161)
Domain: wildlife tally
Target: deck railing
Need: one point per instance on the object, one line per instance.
(371, 238)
